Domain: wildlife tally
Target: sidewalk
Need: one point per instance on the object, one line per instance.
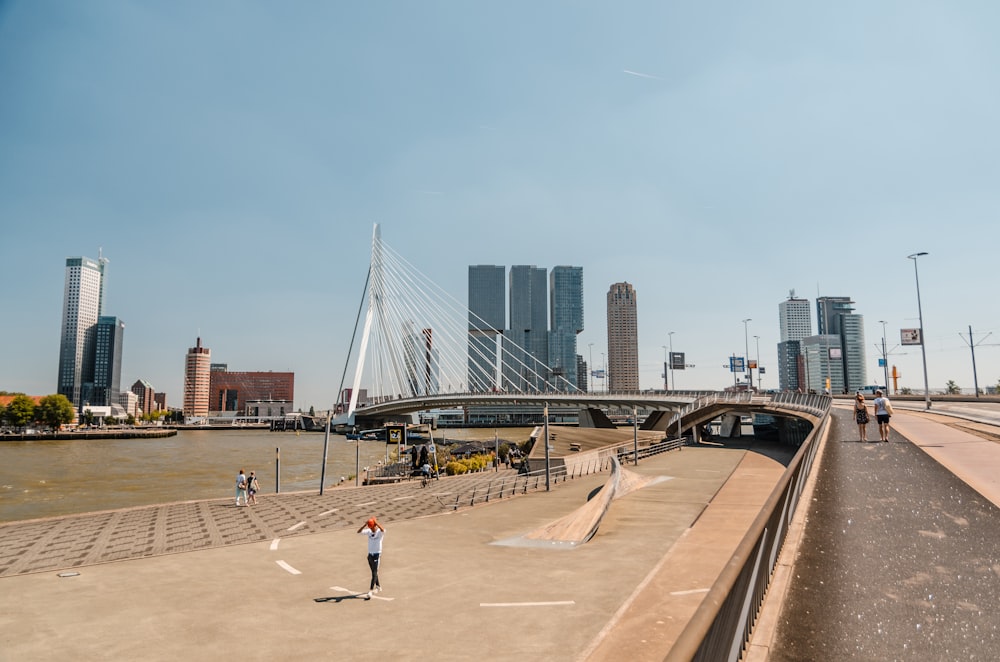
(451, 591)
(899, 558)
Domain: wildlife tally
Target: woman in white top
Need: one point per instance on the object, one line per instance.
(883, 410)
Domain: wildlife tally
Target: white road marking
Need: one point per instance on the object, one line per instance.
(405, 497)
(287, 567)
(328, 512)
(691, 592)
(296, 526)
(274, 544)
(347, 590)
(366, 503)
(557, 603)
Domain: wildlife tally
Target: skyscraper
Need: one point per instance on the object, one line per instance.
(836, 316)
(623, 339)
(197, 379)
(794, 319)
(527, 351)
(487, 320)
(566, 314)
(107, 361)
(83, 296)
(795, 325)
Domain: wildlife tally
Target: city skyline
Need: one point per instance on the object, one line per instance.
(234, 186)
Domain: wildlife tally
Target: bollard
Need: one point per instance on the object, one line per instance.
(277, 470)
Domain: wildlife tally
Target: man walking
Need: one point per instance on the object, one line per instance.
(375, 533)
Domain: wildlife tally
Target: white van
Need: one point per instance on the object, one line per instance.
(870, 390)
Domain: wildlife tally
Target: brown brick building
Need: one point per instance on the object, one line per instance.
(231, 391)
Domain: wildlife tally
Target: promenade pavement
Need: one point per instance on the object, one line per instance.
(895, 558)
(459, 584)
(898, 555)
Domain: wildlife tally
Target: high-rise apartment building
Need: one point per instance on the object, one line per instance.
(566, 314)
(795, 324)
(794, 318)
(83, 302)
(197, 374)
(623, 338)
(836, 316)
(526, 356)
(146, 394)
(824, 361)
(487, 320)
(110, 333)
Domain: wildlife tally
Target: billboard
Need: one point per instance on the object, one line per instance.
(910, 337)
(836, 353)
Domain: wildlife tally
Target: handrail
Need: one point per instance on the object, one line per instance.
(720, 628)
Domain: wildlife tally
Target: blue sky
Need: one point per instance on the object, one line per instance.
(231, 159)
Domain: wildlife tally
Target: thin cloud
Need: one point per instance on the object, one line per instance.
(640, 74)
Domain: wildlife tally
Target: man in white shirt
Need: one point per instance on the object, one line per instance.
(375, 533)
(883, 410)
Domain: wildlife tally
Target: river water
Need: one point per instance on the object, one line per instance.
(48, 478)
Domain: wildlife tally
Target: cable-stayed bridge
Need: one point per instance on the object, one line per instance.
(420, 348)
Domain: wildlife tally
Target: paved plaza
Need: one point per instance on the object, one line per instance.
(895, 549)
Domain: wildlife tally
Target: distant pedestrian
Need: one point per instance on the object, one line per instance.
(375, 533)
(252, 488)
(241, 488)
(883, 412)
(861, 416)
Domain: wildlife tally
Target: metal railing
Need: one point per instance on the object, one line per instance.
(720, 628)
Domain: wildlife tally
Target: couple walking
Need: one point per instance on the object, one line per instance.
(883, 412)
(246, 487)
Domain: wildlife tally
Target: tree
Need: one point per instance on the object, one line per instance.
(88, 417)
(55, 410)
(20, 411)
(951, 388)
(906, 390)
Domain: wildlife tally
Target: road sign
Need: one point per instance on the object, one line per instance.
(677, 360)
(736, 364)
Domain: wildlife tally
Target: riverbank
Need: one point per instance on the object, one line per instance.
(72, 435)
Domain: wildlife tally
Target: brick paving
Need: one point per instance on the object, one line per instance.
(63, 543)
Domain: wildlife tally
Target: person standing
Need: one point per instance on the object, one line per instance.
(241, 488)
(883, 411)
(252, 488)
(861, 416)
(375, 533)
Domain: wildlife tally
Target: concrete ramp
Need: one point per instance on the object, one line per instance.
(580, 525)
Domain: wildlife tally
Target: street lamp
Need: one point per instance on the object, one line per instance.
(673, 380)
(666, 384)
(746, 349)
(885, 359)
(604, 373)
(920, 318)
(759, 378)
(590, 368)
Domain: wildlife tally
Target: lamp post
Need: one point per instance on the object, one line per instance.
(604, 372)
(746, 350)
(666, 384)
(759, 378)
(920, 318)
(590, 368)
(673, 380)
(885, 359)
